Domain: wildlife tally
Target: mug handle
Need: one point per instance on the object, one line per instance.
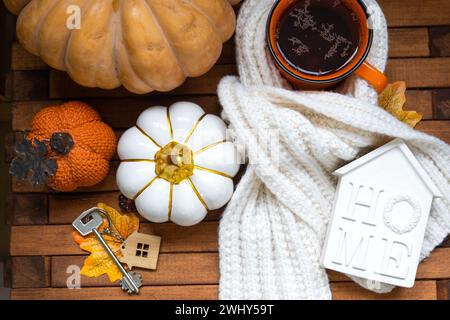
(375, 77)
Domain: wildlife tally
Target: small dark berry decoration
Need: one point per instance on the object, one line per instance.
(126, 205)
(31, 159)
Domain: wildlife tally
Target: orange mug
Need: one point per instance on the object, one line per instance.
(356, 64)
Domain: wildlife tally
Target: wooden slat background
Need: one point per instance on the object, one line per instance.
(41, 245)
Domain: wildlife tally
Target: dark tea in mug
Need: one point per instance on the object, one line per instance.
(318, 37)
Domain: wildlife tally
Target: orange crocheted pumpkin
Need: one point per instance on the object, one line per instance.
(79, 142)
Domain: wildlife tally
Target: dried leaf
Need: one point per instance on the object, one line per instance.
(31, 158)
(393, 99)
(99, 262)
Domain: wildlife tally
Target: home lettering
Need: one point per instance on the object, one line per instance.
(355, 244)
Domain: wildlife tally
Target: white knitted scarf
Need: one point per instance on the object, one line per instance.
(272, 231)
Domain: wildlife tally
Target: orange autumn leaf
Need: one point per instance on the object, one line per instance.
(393, 99)
(99, 262)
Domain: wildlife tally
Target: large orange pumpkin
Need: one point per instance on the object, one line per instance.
(80, 143)
(144, 45)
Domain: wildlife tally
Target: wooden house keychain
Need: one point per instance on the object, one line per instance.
(140, 250)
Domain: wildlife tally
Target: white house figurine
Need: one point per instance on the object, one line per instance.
(382, 204)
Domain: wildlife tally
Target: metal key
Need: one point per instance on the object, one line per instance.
(89, 222)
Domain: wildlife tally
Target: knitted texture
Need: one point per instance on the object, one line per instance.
(272, 232)
(95, 142)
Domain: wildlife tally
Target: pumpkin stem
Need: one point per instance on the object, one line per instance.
(174, 162)
(61, 143)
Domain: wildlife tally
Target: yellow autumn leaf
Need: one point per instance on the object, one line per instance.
(393, 99)
(99, 262)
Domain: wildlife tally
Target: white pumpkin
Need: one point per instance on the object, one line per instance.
(176, 164)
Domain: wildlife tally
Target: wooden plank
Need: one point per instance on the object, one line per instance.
(443, 290)
(8, 207)
(446, 243)
(10, 140)
(61, 86)
(423, 290)
(5, 95)
(420, 101)
(56, 240)
(439, 129)
(64, 208)
(29, 209)
(24, 111)
(437, 266)
(4, 281)
(441, 104)
(228, 55)
(127, 110)
(30, 272)
(420, 72)
(30, 85)
(416, 12)
(5, 274)
(403, 42)
(197, 292)
(203, 268)
(118, 113)
(5, 112)
(7, 27)
(440, 42)
(23, 60)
